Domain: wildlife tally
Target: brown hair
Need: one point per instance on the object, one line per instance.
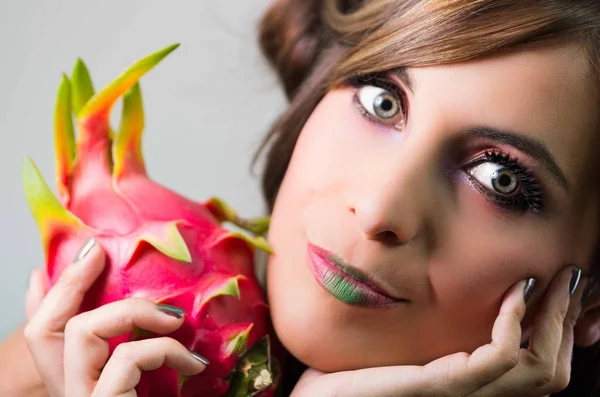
(316, 45)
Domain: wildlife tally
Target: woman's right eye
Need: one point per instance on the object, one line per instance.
(380, 105)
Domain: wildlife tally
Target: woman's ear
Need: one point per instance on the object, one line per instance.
(587, 329)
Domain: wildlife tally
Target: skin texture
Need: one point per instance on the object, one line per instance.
(397, 203)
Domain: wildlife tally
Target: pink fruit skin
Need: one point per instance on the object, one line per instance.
(131, 217)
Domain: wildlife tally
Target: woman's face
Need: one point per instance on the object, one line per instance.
(487, 182)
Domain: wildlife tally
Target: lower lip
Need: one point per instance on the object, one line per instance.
(343, 287)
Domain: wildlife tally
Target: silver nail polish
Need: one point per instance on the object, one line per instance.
(87, 247)
(574, 281)
(528, 291)
(171, 310)
(200, 358)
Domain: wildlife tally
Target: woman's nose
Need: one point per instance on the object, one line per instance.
(392, 207)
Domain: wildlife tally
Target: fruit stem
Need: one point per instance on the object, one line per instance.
(226, 213)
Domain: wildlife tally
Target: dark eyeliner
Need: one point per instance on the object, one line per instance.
(376, 81)
(529, 196)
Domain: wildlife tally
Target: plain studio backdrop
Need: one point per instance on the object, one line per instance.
(207, 105)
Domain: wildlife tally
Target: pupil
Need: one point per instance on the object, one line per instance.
(387, 105)
(504, 180)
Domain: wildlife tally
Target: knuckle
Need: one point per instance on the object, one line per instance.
(75, 325)
(126, 312)
(31, 332)
(169, 344)
(556, 315)
(562, 318)
(562, 375)
(139, 301)
(78, 328)
(68, 280)
(134, 310)
(124, 352)
(138, 305)
(543, 377)
(516, 316)
(507, 359)
(561, 381)
(571, 319)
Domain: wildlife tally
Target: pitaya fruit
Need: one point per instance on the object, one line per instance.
(159, 244)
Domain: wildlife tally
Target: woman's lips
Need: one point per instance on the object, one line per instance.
(348, 284)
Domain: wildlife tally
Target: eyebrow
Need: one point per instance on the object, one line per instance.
(533, 147)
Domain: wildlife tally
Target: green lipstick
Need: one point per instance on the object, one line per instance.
(345, 283)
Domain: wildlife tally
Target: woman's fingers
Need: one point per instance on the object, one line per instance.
(123, 371)
(544, 367)
(86, 348)
(547, 328)
(561, 365)
(44, 333)
(464, 373)
(491, 361)
(565, 354)
(64, 299)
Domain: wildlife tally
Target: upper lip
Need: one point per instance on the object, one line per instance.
(353, 272)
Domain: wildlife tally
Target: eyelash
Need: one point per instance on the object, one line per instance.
(529, 198)
(386, 84)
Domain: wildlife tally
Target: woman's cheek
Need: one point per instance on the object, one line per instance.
(485, 250)
(325, 141)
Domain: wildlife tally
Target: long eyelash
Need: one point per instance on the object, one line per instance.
(531, 195)
(374, 79)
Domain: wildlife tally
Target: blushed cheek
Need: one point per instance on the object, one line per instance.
(330, 150)
(484, 253)
(320, 164)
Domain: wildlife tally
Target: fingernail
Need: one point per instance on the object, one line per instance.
(574, 280)
(87, 247)
(200, 358)
(171, 310)
(529, 286)
(587, 292)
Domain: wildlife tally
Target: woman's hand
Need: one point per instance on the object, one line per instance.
(499, 369)
(71, 352)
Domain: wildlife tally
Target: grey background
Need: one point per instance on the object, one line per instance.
(207, 104)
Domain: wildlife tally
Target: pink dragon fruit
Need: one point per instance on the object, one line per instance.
(159, 244)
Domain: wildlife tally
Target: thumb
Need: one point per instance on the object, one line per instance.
(36, 290)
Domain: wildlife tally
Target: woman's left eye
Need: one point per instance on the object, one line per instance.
(496, 177)
(505, 181)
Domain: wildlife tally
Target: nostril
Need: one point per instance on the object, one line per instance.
(388, 237)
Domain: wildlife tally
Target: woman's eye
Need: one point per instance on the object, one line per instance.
(496, 177)
(379, 102)
(507, 182)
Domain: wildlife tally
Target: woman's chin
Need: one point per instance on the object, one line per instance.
(325, 351)
(314, 344)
